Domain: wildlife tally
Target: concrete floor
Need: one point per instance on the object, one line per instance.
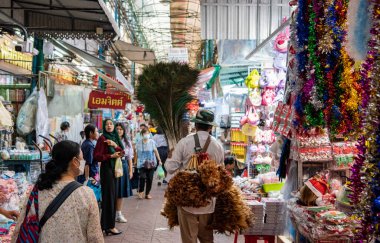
(145, 224)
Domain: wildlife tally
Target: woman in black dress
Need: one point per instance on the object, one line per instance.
(107, 150)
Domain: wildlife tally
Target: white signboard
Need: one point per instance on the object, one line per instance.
(178, 55)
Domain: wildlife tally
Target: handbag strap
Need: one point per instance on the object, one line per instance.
(198, 147)
(57, 202)
(33, 199)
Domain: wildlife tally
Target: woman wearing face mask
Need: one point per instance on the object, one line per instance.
(77, 219)
(147, 158)
(125, 189)
(108, 148)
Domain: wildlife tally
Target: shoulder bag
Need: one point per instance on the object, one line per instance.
(31, 226)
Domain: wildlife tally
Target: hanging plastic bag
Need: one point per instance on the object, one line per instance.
(27, 116)
(118, 168)
(5, 117)
(42, 118)
(160, 172)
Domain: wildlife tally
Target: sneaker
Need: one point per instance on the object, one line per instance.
(148, 197)
(140, 195)
(164, 182)
(121, 219)
(159, 183)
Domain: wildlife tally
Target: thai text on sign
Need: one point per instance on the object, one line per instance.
(100, 99)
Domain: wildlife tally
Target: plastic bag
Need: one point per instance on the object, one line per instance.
(42, 119)
(96, 188)
(27, 116)
(160, 172)
(5, 117)
(118, 168)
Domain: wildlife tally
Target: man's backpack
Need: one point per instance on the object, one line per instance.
(200, 154)
(31, 226)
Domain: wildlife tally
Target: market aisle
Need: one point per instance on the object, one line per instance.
(145, 224)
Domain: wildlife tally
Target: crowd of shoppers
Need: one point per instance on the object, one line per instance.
(76, 218)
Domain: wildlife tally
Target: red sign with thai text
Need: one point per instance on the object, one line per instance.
(99, 99)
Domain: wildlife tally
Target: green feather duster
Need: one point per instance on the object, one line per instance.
(164, 90)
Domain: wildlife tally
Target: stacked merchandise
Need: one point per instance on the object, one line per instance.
(238, 144)
(247, 185)
(321, 223)
(275, 216)
(258, 222)
(14, 189)
(269, 216)
(343, 154)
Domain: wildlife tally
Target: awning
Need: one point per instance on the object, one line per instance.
(135, 53)
(66, 19)
(208, 76)
(107, 71)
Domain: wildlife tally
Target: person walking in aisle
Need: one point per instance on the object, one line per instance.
(88, 146)
(147, 158)
(138, 136)
(108, 148)
(193, 222)
(77, 218)
(62, 135)
(125, 189)
(163, 149)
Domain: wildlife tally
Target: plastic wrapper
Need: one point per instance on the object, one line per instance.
(291, 181)
(27, 115)
(42, 118)
(5, 117)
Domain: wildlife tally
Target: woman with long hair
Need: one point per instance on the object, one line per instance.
(163, 149)
(108, 148)
(147, 159)
(77, 219)
(125, 189)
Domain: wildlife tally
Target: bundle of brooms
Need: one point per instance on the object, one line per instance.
(196, 188)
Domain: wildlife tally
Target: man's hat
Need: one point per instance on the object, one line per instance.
(204, 117)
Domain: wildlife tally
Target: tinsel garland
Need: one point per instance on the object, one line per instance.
(311, 92)
(331, 47)
(301, 55)
(319, 102)
(349, 89)
(371, 200)
(367, 199)
(350, 97)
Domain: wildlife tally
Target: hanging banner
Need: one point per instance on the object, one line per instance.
(99, 99)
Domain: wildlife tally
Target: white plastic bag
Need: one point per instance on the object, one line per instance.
(27, 116)
(118, 168)
(5, 117)
(42, 119)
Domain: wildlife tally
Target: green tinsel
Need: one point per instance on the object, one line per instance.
(314, 117)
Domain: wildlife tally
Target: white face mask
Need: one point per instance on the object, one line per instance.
(146, 137)
(81, 166)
